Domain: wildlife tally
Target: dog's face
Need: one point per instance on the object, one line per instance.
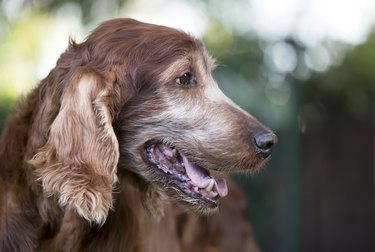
(139, 98)
(180, 127)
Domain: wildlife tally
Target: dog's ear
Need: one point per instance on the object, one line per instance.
(78, 162)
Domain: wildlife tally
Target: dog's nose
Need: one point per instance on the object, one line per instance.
(264, 143)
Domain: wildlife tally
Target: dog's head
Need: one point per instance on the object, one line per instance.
(155, 110)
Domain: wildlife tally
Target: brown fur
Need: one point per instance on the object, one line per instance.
(72, 176)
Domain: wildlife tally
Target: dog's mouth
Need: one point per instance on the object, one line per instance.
(194, 181)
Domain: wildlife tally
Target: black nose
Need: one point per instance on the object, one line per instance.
(264, 143)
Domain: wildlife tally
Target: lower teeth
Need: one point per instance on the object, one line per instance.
(210, 185)
(213, 194)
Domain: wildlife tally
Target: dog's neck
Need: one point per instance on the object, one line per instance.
(151, 197)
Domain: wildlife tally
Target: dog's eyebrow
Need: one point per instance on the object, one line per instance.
(178, 66)
(208, 61)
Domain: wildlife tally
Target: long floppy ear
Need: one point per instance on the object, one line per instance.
(78, 162)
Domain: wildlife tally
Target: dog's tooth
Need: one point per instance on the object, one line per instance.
(174, 152)
(210, 185)
(213, 194)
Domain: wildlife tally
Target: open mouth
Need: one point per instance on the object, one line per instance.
(194, 181)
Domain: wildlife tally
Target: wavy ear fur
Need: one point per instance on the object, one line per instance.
(78, 162)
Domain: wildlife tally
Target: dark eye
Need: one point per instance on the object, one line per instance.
(186, 80)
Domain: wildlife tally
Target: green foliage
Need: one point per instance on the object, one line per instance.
(346, 89)
(6, 105)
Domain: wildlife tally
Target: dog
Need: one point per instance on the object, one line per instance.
(124, 146)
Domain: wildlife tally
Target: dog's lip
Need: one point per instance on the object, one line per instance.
(193, 180)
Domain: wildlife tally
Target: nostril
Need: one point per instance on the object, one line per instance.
(264, 142)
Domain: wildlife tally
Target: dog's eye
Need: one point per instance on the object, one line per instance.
(186, 80)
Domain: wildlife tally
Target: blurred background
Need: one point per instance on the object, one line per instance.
(306, 68)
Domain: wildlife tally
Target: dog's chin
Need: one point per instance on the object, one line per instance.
(190, 186)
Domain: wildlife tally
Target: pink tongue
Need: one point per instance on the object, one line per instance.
(196, 174)
(199, 178)
(221, 187)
